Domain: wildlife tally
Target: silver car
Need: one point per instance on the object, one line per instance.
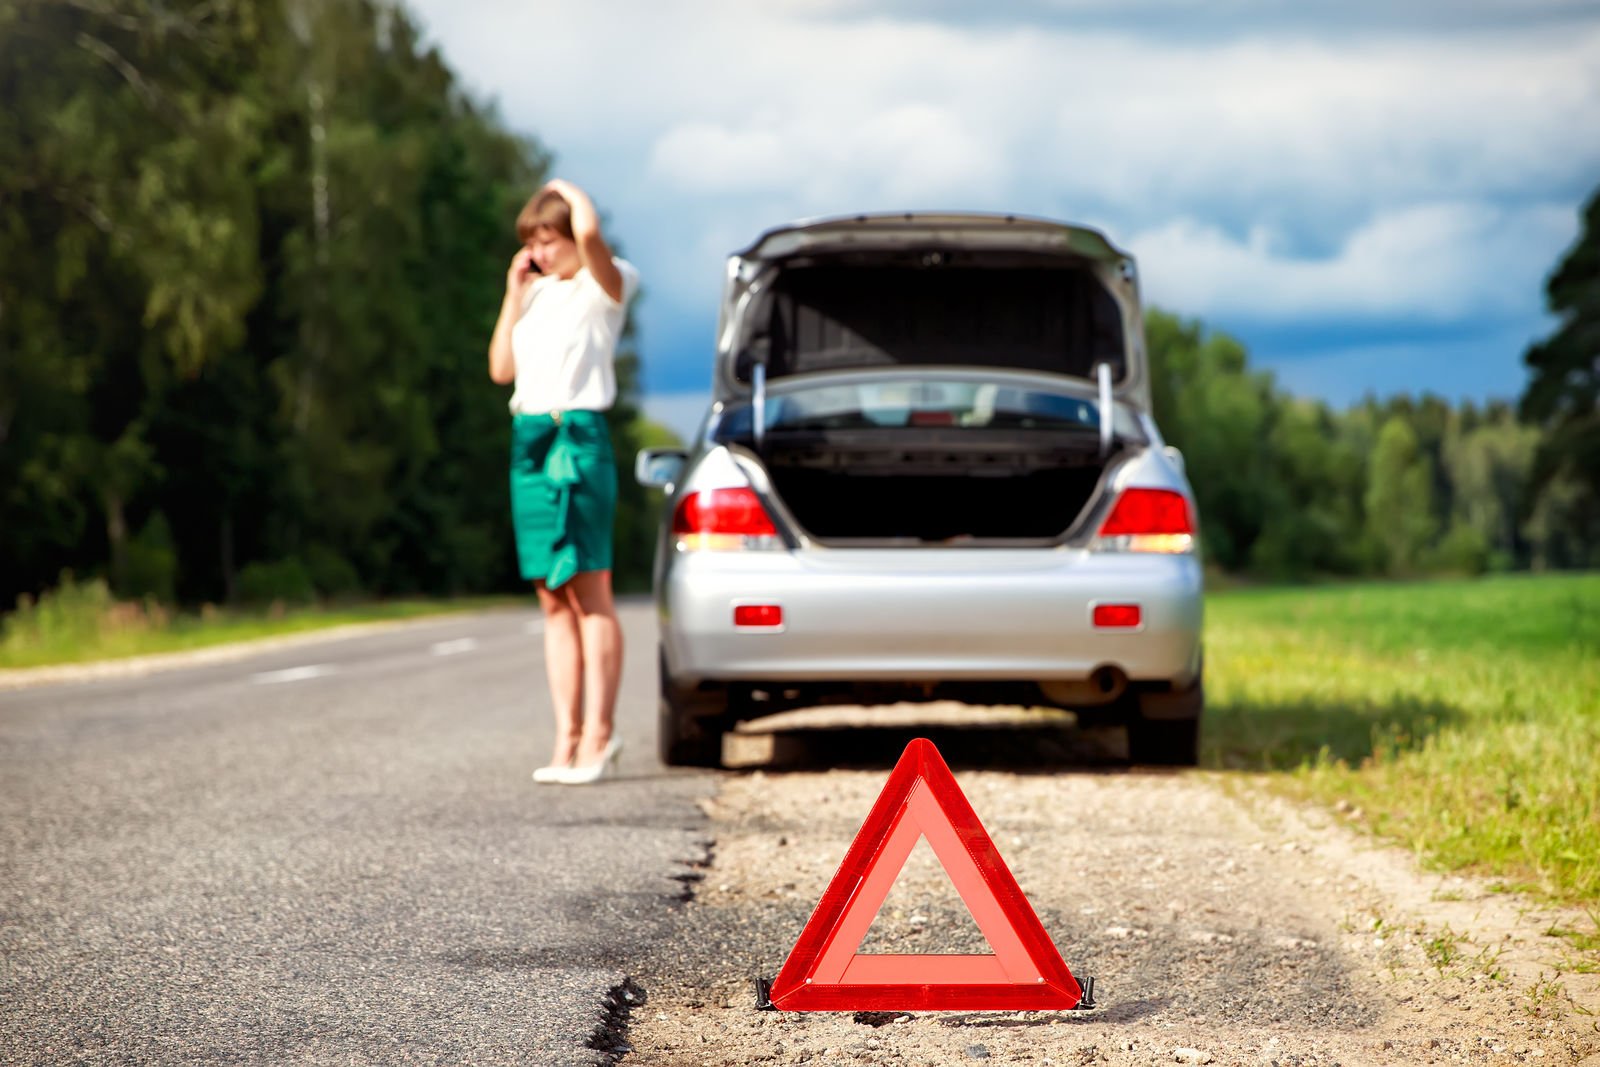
(929, 471)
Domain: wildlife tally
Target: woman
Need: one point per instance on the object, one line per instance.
(556, 341)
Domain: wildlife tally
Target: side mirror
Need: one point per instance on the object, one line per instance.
(1176, 457)
(659, 468)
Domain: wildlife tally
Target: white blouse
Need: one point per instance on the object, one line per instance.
(565, 343)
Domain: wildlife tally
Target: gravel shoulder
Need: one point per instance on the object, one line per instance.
(1223, 925)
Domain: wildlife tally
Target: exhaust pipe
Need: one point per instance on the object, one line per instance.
(1109, 682)
(1104, 685)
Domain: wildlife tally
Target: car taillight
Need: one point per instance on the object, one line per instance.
(723, 520)
(1147, 520)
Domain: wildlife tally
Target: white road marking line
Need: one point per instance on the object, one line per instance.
(293, 674)
(451, 648)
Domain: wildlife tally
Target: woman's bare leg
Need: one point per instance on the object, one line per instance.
(602, 659)
(563, 664)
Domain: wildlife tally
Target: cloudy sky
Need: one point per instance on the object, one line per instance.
(1369, 193)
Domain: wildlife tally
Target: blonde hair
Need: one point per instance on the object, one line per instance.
(546, 210)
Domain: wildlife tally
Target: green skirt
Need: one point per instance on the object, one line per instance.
(563, 494)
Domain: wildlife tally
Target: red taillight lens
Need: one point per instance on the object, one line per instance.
(1148, 511)
(757, 615)
(724, 520)
(1117, 616)
(1147, 520)
(723, 511)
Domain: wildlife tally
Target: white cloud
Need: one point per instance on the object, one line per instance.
(1308, 126)
(911, 154)
(719, 96)
(1411, 167)
(1436, 262)
(709, 158)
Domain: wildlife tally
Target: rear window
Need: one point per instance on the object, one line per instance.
(919, 403)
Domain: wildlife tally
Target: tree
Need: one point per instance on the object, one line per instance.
(1217, 413)
(1488, 466)
(1563, 397)
(127, 259)
(1399, 497)
(1317, 479)
(250, 256)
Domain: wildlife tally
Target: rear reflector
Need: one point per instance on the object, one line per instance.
(1117, 616)
(767, 615)
(1148, 520)
(723, 519)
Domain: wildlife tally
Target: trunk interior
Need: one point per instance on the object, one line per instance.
(911, 486)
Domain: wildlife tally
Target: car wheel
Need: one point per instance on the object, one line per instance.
(690, 724)
(1164, 728)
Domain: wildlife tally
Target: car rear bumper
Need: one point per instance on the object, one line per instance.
(929, 615)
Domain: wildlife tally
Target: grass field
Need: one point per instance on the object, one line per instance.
(80, 623)
(1461, 718)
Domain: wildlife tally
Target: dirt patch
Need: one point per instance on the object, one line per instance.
(1222, 926)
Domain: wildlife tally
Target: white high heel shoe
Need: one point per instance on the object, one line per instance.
(587, 773)
(551, 774)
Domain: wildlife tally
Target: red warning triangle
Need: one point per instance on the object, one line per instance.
(824, 972)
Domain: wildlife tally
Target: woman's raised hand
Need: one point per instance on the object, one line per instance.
(585, 220)
(520, 274)
(568, 191)
(592, 247)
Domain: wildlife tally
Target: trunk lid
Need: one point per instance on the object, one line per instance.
(941, 291)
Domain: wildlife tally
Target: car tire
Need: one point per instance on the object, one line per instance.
(689, 724)
(1164, 728)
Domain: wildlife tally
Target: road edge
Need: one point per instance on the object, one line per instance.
(14, 678)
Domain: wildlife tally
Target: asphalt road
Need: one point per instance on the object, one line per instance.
(331, 854)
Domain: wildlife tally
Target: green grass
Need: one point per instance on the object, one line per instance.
(79, 623)
(1461, 717)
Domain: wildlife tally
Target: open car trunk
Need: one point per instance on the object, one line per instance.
(934, 386)
(929, 487)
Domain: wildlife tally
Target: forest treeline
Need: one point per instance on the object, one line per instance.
(251, 253)
(1289, 488)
